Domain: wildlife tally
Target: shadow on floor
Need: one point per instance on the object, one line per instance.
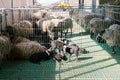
(24, 70)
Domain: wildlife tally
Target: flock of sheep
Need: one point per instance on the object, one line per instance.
(16, 43)
(107, 29)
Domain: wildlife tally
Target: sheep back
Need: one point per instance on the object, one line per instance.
(24, 50)
(5, 46)
(112, 35)
(24, 29)
(95, 25)
(20, 39)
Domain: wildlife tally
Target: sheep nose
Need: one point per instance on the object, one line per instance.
(100, 39)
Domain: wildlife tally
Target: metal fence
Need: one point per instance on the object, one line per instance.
(14, 15)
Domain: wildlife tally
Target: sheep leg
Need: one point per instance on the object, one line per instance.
(55, 35)
(66, 33)
(113, 50)
(68, 56)
(71, 31)
(76, 56)
(61, 33)
(91, 35)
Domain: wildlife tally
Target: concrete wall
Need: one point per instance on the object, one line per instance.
(16, 3)
(75, 3)
(89, 2)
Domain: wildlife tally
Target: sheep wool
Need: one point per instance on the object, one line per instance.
(5, 46)
(97, 24)
(112, 35)
(23, 28)
(24, 50)
(20, 39)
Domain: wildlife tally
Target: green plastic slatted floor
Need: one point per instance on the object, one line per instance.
(99, 64)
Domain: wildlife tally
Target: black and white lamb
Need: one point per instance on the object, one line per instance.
(73, 49)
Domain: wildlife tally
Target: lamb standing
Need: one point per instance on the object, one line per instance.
(73, 49)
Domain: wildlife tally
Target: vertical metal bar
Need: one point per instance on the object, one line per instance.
(79, 4)
(93, 5)
(12, 11)
(5, 15)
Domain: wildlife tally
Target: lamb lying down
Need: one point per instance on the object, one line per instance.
(74, 49)
(47, 55)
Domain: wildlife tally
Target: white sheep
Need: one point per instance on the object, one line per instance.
(42, 14)
(45, 26)
(112, 36)
(62, 25)
(97, 25)
(83, 17)
(53, 26)
(39, 14)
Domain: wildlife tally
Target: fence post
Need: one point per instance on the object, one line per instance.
(0, 21)
(102, 10)
(3, 20)
(93, 6)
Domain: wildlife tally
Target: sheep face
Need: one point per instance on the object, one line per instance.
(99, 37)
(107, 35)
(64, 40)
(42, 56)
(52, 36)
(59, 57)
(83, 51)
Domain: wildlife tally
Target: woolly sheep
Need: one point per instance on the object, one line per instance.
(39, 15)
(45, 26)
(47, 55)
(32, 51)
(97, 25)
(112, 36)
(5, 47)
(62, 25)
(24, 50)
(23, 29)
(53, 26)
(82, 17)
(88, 17)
